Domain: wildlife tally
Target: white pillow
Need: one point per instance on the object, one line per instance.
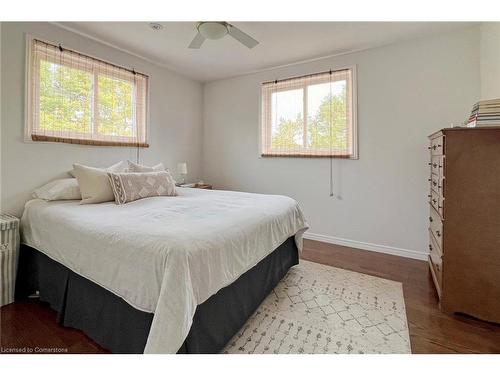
(118, 167)
(94, 182)
(62, 189)
(135, 168)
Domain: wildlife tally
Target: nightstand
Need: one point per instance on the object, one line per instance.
(9, 254)
(203, 186)
(196, 185)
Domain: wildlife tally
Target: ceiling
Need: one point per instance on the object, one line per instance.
(281, 43)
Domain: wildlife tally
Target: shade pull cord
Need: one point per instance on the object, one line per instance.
(331, 133)
(137, 155)
(276, 113)
(331, 177)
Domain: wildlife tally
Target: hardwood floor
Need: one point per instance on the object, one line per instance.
(31, 324)
(431, 331)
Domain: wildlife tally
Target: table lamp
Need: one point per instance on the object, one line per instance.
(182, 170)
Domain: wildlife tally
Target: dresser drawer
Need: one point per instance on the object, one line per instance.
(440, 207)
(436, 184)
(437, 274)
(436, 202)
(433, 245)
(437, 146)
(437, 165)
(436, 260)
(436, 227)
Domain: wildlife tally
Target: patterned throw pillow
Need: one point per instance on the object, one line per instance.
(128, 187)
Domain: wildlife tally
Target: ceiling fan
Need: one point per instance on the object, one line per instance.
(216, 30)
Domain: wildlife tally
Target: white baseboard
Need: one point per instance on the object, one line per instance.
(368, 246)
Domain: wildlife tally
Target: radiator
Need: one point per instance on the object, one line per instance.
(9, 254)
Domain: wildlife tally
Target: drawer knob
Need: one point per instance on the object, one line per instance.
(431, 219)
(434, 183)
(438, 233)
(430, 247)
(434, 165)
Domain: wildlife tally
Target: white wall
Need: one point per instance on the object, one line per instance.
(175, 118)
(490, 60)
(405, 92)
(0, 116)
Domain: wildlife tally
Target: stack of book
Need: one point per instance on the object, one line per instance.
(485, 113)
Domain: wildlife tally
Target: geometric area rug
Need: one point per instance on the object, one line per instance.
(323, 309)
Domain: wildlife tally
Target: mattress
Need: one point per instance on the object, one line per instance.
(164, 255)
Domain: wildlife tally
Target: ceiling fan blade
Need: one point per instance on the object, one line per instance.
(197, 41)
(241, 37)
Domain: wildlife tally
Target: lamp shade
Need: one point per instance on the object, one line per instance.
(182, 168)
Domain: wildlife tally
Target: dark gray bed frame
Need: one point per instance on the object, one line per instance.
(115, 325)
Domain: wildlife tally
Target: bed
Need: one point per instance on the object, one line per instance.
(159, 275)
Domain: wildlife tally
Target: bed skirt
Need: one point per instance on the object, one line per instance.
(117, 326)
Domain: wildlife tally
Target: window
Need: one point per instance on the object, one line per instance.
(310, 116)
(74, 98)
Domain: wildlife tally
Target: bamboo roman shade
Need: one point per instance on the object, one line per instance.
(74, 98)
(309, 116)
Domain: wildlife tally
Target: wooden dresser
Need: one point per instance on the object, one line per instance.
(464, 220)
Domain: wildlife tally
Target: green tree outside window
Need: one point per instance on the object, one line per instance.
(67, 102)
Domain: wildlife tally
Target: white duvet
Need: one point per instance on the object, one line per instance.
(164, 255)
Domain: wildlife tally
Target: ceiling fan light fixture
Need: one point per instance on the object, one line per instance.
(217, 30)
(213, 30)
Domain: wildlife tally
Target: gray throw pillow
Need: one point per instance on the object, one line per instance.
(134, 167)
(128, 187)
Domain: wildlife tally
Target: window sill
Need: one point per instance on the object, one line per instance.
(307, 156)
(88, 142)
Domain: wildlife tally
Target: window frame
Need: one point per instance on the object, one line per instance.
(293, 154)
(29, 110)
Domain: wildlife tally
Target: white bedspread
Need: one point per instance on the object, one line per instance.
(167, 254)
